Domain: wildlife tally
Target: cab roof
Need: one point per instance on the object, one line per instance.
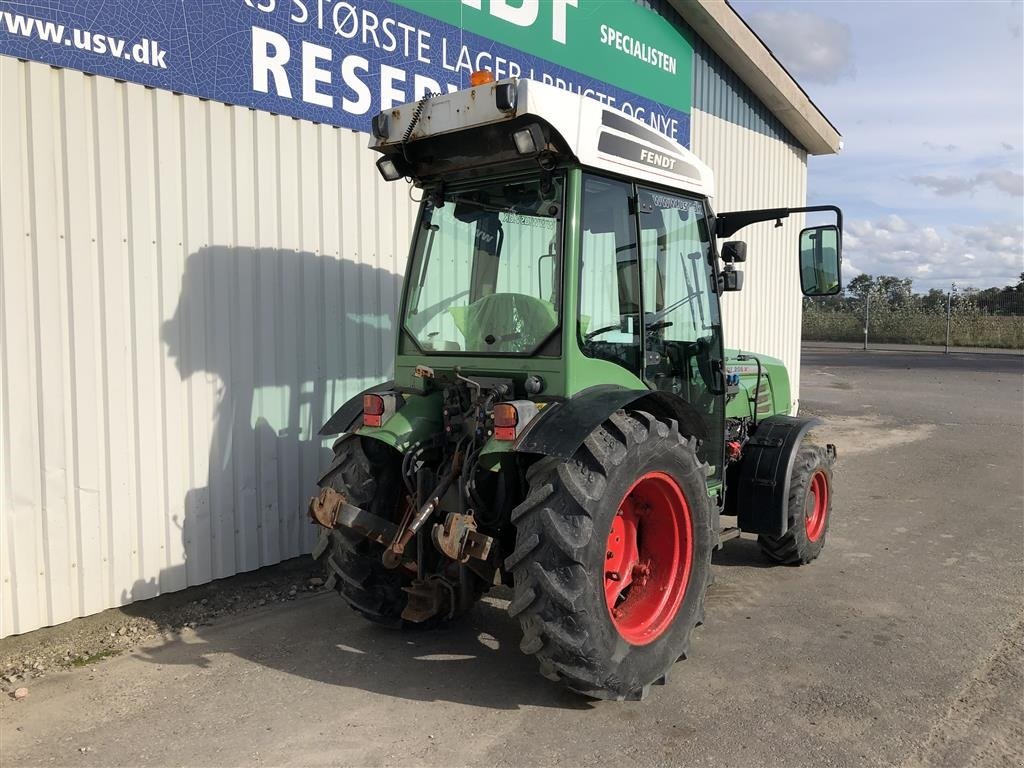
(598, 136)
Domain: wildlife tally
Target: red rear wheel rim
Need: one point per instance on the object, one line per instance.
(648, 558)
(816, 506)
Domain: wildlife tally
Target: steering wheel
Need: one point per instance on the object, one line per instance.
(599, 331)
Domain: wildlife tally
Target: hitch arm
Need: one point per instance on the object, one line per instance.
(332, 510)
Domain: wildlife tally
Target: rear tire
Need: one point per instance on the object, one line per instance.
(565, 531)
(810, 509)
(352, 564)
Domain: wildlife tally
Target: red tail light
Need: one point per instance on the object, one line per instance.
(373, 410)
(505, 420)
(511, 418)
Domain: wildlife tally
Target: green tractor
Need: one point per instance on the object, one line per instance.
(564, 419)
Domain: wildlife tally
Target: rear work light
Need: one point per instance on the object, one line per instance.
(380, 126)
(529, 140)
(388, 169)
(510, 419)
(506, 96)
(378, 408)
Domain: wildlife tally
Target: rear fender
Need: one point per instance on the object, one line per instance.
(344, 419)
(417, 418)
(757, 488)
(561, 428)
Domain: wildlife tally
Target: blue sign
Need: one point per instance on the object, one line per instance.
(330, 61)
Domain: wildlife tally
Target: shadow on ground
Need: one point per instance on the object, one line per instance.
(744, 553)
(475, 661)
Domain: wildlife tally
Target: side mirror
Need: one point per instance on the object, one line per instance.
(729, 279)
(820, 261)
(734, 251)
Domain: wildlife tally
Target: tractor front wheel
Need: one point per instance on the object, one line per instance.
(810, 509)
(612, 557)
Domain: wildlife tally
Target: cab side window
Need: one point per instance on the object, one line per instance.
(610, 307)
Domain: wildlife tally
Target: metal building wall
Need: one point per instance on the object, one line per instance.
(757, 164)
(187, 291)
(718, 91)
(754, 170)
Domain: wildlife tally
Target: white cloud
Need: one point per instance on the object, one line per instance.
(1003, 180)
(979, 256)
(813, 48)
(1010, 182)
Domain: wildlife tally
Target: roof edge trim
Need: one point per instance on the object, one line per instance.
(746, 54)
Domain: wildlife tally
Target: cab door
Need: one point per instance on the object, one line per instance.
(682, 327)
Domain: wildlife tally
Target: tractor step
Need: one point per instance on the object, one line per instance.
(728, 533)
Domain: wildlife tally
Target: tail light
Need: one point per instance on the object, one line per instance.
(510, 419)
(505, 421)
(377, 409)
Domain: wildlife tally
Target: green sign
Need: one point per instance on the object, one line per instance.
(616, 41)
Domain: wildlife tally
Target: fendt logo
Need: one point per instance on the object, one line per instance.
(524, 13)
(658, 159)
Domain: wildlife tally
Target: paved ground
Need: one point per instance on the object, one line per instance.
(902, 645)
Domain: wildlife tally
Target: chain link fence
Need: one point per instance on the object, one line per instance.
(884, 311)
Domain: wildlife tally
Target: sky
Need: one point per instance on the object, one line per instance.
(929, 99)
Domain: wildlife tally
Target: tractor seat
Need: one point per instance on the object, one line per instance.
(505, 322)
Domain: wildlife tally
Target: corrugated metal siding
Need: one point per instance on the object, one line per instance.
(188, 289)
(718, 91)
(753, 170)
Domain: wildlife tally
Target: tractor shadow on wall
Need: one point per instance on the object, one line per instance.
(267, 342)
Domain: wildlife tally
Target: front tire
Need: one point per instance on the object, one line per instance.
(612, 557)
(810, 509)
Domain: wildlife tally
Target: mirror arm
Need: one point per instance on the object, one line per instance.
(728, 224)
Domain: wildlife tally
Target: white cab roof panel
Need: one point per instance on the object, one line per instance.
(599, 136)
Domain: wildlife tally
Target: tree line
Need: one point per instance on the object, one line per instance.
(888, 292)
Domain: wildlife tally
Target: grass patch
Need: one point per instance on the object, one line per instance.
(915, 327)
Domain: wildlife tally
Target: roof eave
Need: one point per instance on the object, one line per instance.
(747, 55)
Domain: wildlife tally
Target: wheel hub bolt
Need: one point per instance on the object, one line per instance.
(641, 571)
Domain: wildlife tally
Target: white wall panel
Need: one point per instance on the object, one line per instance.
(753, 170)
(187, 290)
